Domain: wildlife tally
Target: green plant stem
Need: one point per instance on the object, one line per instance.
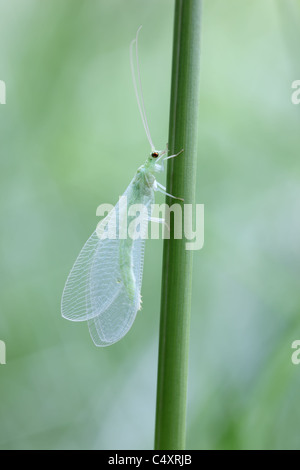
(177, 261)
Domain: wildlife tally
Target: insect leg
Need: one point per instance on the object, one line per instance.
(159, 187)
(159, 220)
(160, 166)
(175, 155)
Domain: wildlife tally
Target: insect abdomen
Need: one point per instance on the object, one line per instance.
(126, 267)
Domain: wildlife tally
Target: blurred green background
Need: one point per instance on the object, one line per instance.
(71, 139)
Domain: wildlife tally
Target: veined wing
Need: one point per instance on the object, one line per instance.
(95, 290)
(116, 320)
(96, 270)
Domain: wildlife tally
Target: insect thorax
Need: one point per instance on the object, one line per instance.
(145, 178)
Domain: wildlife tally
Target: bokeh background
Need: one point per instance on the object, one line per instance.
(71, 139)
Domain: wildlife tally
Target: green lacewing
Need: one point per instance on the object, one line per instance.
(104, 284)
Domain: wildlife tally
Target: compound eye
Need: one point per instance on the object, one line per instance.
(154, 154)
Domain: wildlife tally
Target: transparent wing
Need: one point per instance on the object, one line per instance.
(95, 273)
(95, 291)
(75, 303)
(116, 320)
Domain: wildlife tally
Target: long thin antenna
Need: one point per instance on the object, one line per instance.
(141, 89)
(138, 88)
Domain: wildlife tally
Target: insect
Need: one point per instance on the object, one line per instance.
(104, 285)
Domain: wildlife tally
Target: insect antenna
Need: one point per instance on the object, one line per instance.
(138, 87)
